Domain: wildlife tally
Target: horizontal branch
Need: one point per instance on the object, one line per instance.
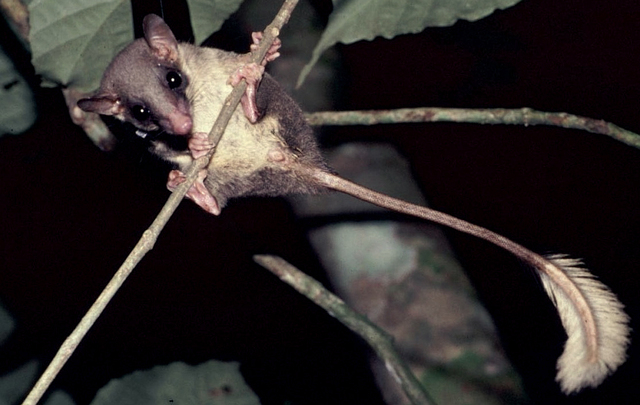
(519, 116)
(378, 339)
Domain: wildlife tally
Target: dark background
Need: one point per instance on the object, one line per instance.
(70, 214)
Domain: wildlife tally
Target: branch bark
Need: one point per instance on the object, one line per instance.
(519, 116)
(17, 14)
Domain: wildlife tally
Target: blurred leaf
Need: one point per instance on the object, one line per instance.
(213, 382)
(17, 106)
(207, 16)
(354, 20)
(72, 42)
(6, 324)
(14, 385)
(59, 398)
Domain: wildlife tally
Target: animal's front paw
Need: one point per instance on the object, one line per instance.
(198, 192)
(272, 52)
(252, 74)
(199, 144)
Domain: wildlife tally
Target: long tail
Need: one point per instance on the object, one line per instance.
(593, 318)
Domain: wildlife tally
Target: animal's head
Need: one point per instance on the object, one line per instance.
(144, 85)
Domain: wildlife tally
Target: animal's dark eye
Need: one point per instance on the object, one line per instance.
(141, 113)
(174, 80)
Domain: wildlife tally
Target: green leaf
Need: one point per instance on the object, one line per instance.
(207, 16)
(16, 383)
(354, 20)
(213, 382)
(59, 398)
(6, 324)
(17, 106)
(72, 42)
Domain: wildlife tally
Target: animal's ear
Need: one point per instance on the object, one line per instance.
(160, 38)
(101, 104)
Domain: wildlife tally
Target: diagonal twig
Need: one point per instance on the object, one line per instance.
(378, 339)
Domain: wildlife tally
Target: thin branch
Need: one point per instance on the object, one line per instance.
(150, 236)
(17, 13)
(379, 340)
(519, 116)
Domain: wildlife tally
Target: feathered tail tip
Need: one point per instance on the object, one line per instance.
(594, 320)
